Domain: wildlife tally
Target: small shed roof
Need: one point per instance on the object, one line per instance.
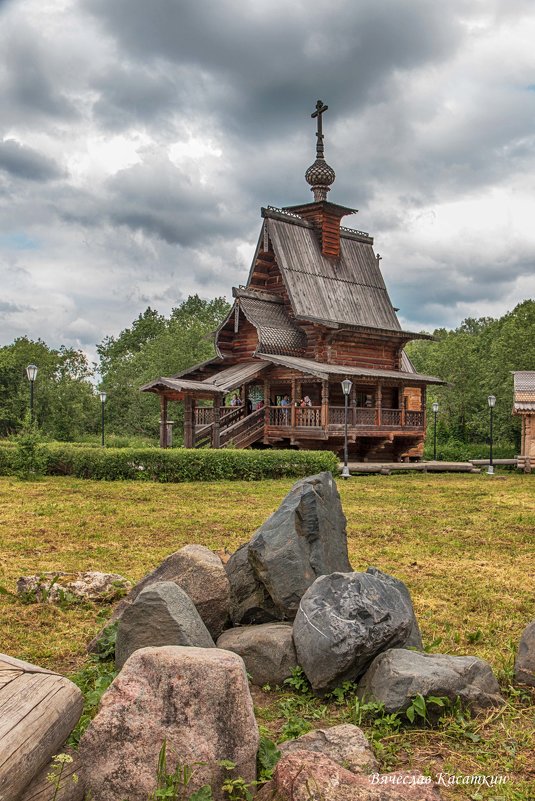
(276, 331)
(218, 384)
(524, 391)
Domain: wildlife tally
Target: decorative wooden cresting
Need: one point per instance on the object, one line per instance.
(524, 405)
(314, 311)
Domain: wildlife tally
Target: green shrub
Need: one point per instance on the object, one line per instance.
(28, 459)
(175, 465)
(456, 451)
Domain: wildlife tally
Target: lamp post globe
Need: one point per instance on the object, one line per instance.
(31, 372)
(434, 407)
(346, 389)
(102, 396)
(491, 400)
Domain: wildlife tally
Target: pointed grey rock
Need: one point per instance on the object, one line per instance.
(162, 614)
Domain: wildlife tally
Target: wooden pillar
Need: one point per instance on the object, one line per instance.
(293, 398)
(324, 404)
(401, 390)
(188, 422)
(163, 421)
(353, 401)
(216, 425)
(378, 403)
(267, 391)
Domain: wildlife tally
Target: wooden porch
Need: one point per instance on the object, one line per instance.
(216, 425)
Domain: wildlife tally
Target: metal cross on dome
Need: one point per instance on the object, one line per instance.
(320, 109)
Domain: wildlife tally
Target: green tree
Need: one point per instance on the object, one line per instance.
(64, 400)
(477, 360)
(155, 346)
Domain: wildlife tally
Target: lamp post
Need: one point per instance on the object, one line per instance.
(31, 372)
(102, 402)
(346, 389)
(435, 412)
(492, 403)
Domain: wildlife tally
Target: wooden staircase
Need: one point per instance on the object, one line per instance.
(236, 429)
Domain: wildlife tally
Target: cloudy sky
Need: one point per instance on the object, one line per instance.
(138, 141)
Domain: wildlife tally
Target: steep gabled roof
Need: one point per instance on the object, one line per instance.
(348, 291)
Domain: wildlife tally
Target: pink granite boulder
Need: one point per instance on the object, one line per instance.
(197, 700)
(307, 775)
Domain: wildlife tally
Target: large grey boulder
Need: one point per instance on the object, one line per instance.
(268, 651)
(414, 639)
(303, 539)
(525, 658)
(397, 676)
(162, 614)
(200, 573)
(196, 700)
(344, 621)
(345, 744)
(249, 599)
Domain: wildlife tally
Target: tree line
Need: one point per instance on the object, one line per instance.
(476, 360)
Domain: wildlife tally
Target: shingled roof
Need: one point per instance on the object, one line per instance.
(524, 399)
(276, 332)
(348, 291)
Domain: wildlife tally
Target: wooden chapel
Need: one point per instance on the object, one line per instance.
(314, 311)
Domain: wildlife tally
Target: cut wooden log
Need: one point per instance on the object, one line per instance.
(71, 787)
(38, 711)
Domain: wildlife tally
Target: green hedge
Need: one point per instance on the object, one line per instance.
(179, 464)
(455, 451)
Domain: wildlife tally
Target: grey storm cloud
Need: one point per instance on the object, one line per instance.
(141, 140)
(24, 162)
(270, 62)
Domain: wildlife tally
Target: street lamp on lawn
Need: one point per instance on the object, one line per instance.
(492, 403)
(435, 412)
(31, 372)
(102, 402)
(346, 389)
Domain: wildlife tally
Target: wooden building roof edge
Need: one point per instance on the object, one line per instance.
(397, 332)
(180, 385)
(324, 370)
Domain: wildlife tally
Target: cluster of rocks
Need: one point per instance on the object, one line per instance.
(192, 632)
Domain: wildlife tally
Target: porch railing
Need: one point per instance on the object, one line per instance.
(414, 419)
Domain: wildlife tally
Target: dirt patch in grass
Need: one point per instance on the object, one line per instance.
(463, 545)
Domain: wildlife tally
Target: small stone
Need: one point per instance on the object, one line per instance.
(345, 744)
(344, 621)
(162, 614)
(196, 700)
(267, 650)
(525, 658)
(60, 587)
(396, 676)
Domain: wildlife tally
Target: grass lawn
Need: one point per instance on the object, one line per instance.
(463, 544)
